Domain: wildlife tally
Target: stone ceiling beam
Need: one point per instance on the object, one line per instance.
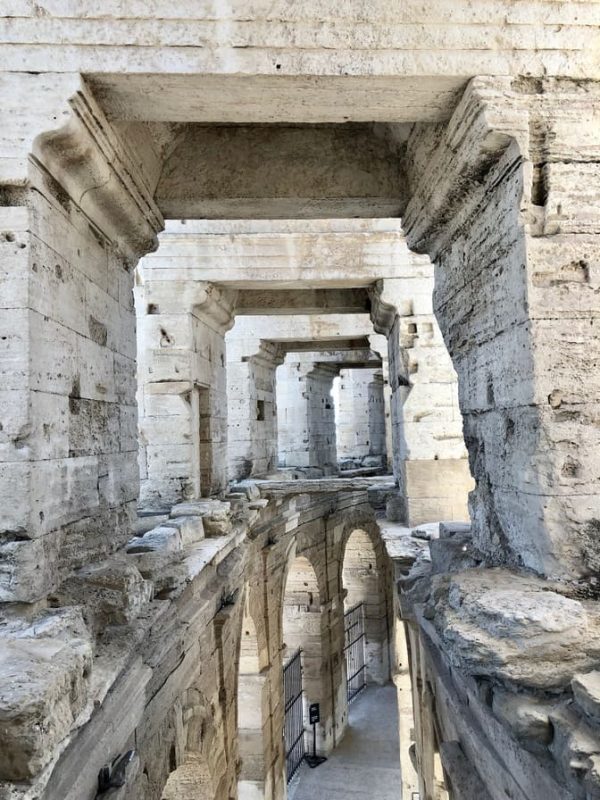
(279, 172)
(278, 98)
(305, 301)
(284, 254)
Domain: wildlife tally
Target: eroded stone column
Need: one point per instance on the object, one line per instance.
(182, 389)
(429, 454)
(505, 202)
(72, 228)
(360, 416)
(252, 408)
(306, 414)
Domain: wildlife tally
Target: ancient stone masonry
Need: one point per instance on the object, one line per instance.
(182, 395)
(512, 235)
(360, 416)
(265, 331)
(168, 614)
(299, 309)
(69, 426)
(427, 441)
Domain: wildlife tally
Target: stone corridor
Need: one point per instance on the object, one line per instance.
(299, 394)
(367, 762)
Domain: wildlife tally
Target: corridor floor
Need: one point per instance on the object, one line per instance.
(367, 762)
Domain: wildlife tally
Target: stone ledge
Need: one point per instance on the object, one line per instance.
(44, 682)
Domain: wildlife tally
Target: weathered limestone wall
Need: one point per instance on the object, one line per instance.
(429, 454)
(316, 172)
(360, 414)
(364, 577)
(68, 427)
(504, 681)
(256, 346)
(251, 406)
(170, 649)
(515, 252)
(416, 61)
(280, 254)
(306, 414)
(182, 390)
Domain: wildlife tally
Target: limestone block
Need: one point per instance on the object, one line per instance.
(572, 204)
(165, 570)
(147, 523)
(586, 690)
(465, 779)
(44, 669)
(191, 529)
(163, 539)
(20, 574)
(448, 529)
(249, 487)
(395, 507)
(454, 554)
(526, 715)
(576, 748)
(378, 494)
(498, 623)
(113, 592)
(427, 532)
(259, 504)
(216, 515)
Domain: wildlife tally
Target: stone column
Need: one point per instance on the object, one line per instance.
(505, 201)
(429, 453)
(360, 415)
(75, 216)
(182, 389)
(251, 402)
(379, 345)
(306, 414)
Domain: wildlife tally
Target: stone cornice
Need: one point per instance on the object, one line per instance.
(451, 162)
(383, 313)
(89, 161)
(214, 305)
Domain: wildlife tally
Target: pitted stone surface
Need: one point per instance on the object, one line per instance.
(515, 628)
(247, 112)
(44, 675)
(586, 690)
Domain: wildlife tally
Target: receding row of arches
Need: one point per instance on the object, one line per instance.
(314, 592)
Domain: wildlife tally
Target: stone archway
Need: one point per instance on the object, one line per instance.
(363, 584)
(302, 631)
(302, 620)
(251, 699)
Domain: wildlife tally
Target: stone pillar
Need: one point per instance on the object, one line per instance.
(75, 216)
(379, 345)
(505, 203)
(429, 453)
(182, 389)
(251, 403)
(306, 414)
(360, 415)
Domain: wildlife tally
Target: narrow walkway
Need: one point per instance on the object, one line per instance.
(367, 762)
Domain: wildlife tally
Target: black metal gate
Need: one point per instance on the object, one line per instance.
(354, 648)
(293, 728)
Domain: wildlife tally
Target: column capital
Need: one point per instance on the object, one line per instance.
(88, 158)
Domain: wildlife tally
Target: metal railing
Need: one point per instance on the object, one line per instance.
(293, 728)
(354, 650)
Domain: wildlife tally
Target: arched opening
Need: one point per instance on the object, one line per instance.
(302, 639)
(366, 613)
(250, 713)
(189, 756)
